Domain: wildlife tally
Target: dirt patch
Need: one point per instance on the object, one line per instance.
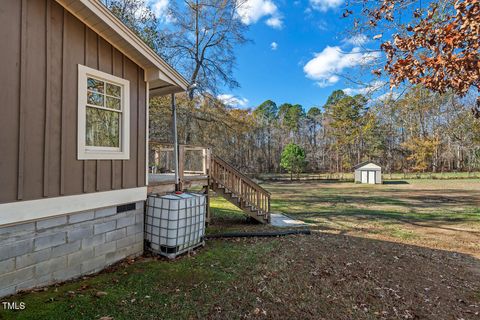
(400, 251)
(326, 276)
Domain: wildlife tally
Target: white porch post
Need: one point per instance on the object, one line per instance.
(156, 160)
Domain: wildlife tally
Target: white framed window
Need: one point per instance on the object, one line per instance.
(103, 115)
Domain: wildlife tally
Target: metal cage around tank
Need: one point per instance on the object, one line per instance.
(174, 223)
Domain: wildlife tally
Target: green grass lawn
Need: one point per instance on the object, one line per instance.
(392, 251)
(348, 176)
(155, 288)
(406, 199)
(148, 288)
(428, 212)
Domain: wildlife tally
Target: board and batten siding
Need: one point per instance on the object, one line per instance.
(42, 44)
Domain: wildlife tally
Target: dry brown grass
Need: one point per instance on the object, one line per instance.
(400, 251)
(435, 214)
(396, 251)
(332, 276)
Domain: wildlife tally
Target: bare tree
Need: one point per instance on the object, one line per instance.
(205, 33)
(137, 15)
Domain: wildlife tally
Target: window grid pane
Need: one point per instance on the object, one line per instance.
(113, 103)
(113, 90)
(103, 114)
(95, 99)
(95, 85)
(102, 128)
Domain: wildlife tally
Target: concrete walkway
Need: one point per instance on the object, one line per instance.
(283, 221)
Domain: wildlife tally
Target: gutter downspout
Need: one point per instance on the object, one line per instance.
(175, 142)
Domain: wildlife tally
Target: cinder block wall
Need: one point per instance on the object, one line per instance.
(43, 252)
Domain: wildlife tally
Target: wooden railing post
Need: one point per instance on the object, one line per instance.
(259, 206)
(156, 160)
(242, 187)
(206, 160)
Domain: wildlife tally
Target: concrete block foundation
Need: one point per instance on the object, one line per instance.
(46, 251)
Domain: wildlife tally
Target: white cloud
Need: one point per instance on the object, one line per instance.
(322, 25)
(391, 95)
(275, 22)
(355, 91)
(356, 40)
(367, 89)
(233, 101)
(160, 9)
(328, 64)
(140, 12)
(274, 46)
(325, 5)
(253, 10)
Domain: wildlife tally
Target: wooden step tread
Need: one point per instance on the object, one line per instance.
(226, 181)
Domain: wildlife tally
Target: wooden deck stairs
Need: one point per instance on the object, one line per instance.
(239, 189)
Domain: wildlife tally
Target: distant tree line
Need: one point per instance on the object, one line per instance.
(424, 130)
(420, 132)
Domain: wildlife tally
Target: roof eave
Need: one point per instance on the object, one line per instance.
(97, 17)
(364, 163)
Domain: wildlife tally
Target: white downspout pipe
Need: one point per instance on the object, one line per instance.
(175, 142)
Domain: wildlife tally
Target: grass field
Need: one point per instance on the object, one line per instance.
(404, 250)
(422, 212)
(386, 176)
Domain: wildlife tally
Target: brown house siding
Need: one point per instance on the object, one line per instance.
(41, 46)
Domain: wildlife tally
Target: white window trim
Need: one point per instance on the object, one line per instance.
(100, 153)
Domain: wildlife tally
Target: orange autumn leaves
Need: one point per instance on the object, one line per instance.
(440, 50)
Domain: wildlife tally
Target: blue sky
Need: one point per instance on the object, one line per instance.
(299, 53)
(277, 72)
(265, 73)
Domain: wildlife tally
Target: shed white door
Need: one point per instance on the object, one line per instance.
(371, 177)
(364, 176)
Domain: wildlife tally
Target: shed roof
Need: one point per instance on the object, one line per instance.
(362, 164)
(162, 78)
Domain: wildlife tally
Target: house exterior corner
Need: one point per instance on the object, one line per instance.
(73, 140)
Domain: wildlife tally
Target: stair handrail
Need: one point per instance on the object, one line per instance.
(250, 195)
(249, 180)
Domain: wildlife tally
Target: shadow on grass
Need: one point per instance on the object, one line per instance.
(225, 215)
(429, 220)
(342, 199)
(307, 181)
(327, 276)
(441, 199)
(395, 182)
(228, 218)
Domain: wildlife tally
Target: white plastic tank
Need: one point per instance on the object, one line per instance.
(175, 223)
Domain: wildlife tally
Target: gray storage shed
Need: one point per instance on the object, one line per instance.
(368, 172)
